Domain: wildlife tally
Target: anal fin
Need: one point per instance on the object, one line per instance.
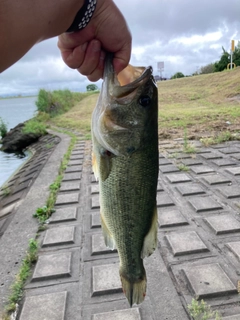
(150, 240)
(108, 238)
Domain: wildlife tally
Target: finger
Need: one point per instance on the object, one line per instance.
(98, 72)
(122, 58)
(74, 58)
(91, 59)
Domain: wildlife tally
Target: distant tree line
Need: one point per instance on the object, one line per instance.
(218, 66)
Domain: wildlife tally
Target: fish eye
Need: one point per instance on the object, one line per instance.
(145, 101)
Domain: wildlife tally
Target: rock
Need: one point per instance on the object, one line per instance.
(16, 141)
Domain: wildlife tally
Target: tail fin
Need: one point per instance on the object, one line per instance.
(134, 291)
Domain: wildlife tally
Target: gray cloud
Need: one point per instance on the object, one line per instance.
(185, 34)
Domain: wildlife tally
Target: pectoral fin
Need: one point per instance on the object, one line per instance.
(108, 238)
(150, 240)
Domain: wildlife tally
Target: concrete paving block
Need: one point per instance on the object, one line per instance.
(186, 243)
(72, 176)
(168, 169)
(191, 162)
(59, 236)
(210, 156)
(68, 198)
(230, 191)
(76, 156)
(129, 314)
(182, 156)
(201, 169)
(53, 266)
(49, 306)
(159, 187)
(63, 215)
(230, 150)
(75, 162)
(95, 220)
(236, 156)
(106, 279)
(94, 188)
(216, 179)
(234, 317)
(178, 178)
(170, 218)
(70, 186)
(164, 200)
(235, 171)
(98, 245)
(235, 248)
(95, 204)
(202, 204)
(164, 161)
(190, 189)
(209, 280)
(73, 169)
(223, 224)
(224, 162)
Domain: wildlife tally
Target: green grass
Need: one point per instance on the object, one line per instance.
(3, 128)
(21, 277)
(202, 311)
(34, 126)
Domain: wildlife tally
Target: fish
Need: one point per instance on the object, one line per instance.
(125, 162)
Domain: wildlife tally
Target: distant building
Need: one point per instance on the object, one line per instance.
(158, 78)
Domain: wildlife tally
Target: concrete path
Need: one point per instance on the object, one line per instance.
(76, 276)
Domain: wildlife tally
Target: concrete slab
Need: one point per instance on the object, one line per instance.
(230, 192)
(70, 186)
(94, 188)
(185, 243)
(75, 163)
(235, 317)
(64, 215)
(95, 220)
(168, 169)
(202, 169)
(202, 204)
(235, 248)
(216, 179)
(224, 162)
(95, 204)
(46, 306)
(164, 200)
(178, 178)
(59, 236)
(230, 150)
(164, 161)
(68, 198)
(129, 314)
(71, 176)
(73, 169)
(52, 266)
(170, 218)
(234, 171)
(223, 224)
(190, 189)
(98, 245)
(209, 280)
(106, 279)
(191, 162)
(211, 155)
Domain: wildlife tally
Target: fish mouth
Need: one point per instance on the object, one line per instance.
(124, 86)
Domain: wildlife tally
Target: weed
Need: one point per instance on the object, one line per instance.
(34, 126)
(187, 147)
(5, 191)
(220, 138)
(3, 128)
(202, 311)
(43, 213)
(183, 167)
(21, 277)
(49, 145)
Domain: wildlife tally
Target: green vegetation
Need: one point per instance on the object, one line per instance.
(177, 75)
(58, 102)
(201, 311)
(34, 126)
(219, 138)
(3, 128)
(21, 277)
(44, 213)
(5, 191)
(92, 87)
(183, 167)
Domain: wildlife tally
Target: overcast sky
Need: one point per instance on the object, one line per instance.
(185, 34)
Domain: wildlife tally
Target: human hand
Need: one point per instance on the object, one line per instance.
(107, 31)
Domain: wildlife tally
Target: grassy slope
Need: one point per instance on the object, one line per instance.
(202, 104)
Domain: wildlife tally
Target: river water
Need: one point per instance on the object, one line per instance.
(13, 111)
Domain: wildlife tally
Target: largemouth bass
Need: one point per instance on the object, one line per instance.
(125, 161)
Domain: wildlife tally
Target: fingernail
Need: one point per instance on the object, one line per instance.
(84, 46)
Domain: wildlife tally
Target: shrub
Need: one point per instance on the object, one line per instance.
(34, 126)
(3, 128)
